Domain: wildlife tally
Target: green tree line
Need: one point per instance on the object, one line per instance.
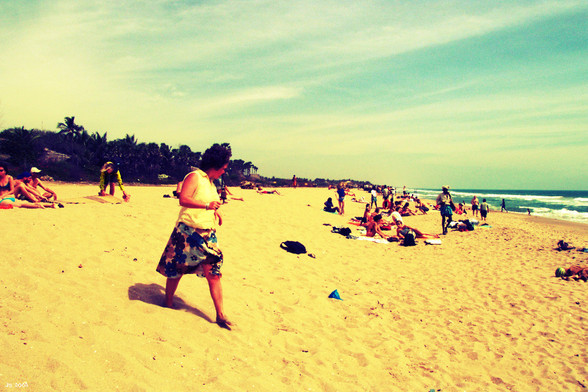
(73, 154)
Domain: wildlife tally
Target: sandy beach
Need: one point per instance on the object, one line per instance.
(81, 302)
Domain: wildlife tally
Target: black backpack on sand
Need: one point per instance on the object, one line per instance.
(293, 247)
(409, 239)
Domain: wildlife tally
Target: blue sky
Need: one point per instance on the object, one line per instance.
(474, 94)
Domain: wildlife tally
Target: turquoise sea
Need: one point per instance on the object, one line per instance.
(563, 205)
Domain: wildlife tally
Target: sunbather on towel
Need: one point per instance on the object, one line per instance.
(402, 229)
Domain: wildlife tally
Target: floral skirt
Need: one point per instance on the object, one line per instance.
(187, 250)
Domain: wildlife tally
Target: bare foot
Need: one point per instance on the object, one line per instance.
(224, 323)
(169, 305)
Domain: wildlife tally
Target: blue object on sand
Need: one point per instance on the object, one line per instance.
(335, 295)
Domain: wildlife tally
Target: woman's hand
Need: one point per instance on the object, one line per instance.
(213, 205)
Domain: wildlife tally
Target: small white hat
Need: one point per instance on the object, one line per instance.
(35, 170)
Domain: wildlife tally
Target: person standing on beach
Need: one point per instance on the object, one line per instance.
(484, 209)
(294, 181)
(108, 175)
(341, 197)
(475, 205)
(446, 206)
(374, 194)
(503, 206)
(192, 247)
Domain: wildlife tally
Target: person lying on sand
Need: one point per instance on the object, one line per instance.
(575, 272)
(402, 229)
(273, 191)
(562, 245)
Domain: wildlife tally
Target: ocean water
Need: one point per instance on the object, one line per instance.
(563, 205)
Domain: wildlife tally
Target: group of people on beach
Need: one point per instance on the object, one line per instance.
(376, 220)
(394, 205)
(27, 190)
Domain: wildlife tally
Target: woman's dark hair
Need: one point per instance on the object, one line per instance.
(4, 165)
(215, 157)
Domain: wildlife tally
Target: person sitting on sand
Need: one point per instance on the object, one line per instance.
(420, 206)
(406, 211)
(7, 193)
(36, 182)
(373, 227)
(329, 206)
(23, 189)
(367, 214)
(459, 210)
(402, 229)
(109, 174)
(395, 214)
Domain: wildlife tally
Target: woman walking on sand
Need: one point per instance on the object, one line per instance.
(192, 247)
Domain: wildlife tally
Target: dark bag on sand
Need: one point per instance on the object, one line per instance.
(293, 247)
(409, 239)
(344, 231)
(469, 225)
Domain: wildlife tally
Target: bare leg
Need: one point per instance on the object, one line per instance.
(420, 234)
(171, 286)
(26, 204)
(216, 292)
(22, 191)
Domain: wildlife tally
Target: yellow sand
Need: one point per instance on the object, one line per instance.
(80, 302)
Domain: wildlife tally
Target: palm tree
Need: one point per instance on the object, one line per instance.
(69, 128)
(21, 144)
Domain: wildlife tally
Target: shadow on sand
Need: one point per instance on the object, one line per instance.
(154, 294)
